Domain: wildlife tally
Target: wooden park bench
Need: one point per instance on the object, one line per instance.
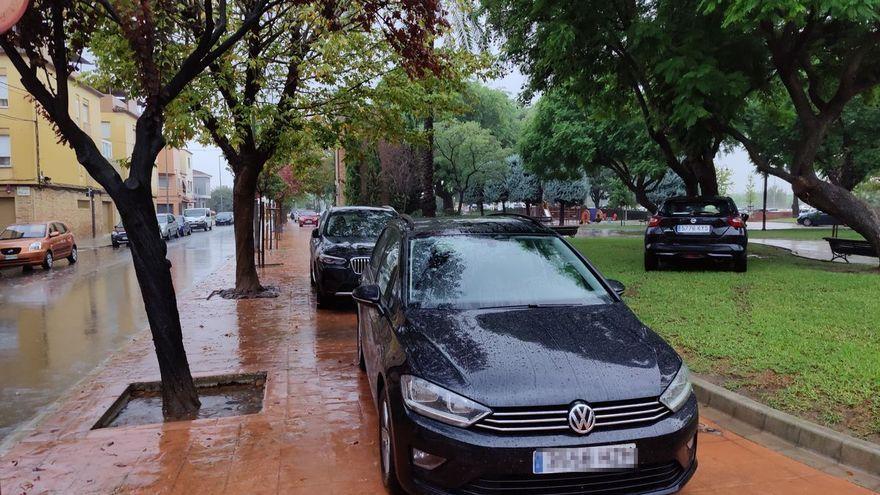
(841, 248)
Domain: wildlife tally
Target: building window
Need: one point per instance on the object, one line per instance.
(84, 117)
(5, 151)
(163, 181)
(4, 92)
(106, 144)
(83, 204)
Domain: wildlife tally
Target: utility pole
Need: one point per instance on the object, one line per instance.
(764, 219)
(220, 179)
(91, 193)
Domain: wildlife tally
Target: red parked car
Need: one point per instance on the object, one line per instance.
(36, 244)
(308, 218)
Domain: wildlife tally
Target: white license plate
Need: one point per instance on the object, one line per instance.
(585, 459)
(693, 229)
(10, 257)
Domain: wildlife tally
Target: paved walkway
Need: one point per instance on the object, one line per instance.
(816, 250)
(317, 432)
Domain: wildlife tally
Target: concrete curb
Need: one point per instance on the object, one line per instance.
(837, 446)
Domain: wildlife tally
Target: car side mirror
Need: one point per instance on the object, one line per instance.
(745, 217)
(616, 286)
(366, 294)
(315, 233)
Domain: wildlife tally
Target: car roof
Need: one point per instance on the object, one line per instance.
(335, 209)
(699, 198)
(493, 224)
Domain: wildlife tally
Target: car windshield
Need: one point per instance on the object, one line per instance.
(23, 232)
(162, 218)
(357, 224)
(467, 272)
(195, 212)
(697, 208)
(224, 214)
(308, 214)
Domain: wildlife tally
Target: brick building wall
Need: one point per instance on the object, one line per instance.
(70, 206)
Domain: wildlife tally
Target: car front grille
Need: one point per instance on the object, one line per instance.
(642, 480)
(358, 265)
(555, 419)
(10, 250)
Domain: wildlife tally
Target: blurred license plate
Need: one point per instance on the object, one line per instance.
(693, 229)
(10, 257)
(585, 459)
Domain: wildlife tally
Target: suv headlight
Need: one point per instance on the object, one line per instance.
(679, 390)
(438, 403)
(331, 260)
(35, 246)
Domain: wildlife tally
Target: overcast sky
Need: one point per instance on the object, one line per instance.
(207, 158)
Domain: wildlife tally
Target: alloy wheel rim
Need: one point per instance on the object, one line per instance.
(385, 440)
(49, 259)
(73, 254)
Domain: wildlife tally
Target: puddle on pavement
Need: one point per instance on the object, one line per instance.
(221, 396)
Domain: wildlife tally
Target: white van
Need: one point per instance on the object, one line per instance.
(199, 218)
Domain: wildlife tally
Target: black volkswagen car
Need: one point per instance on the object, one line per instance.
(502, 361)
(341, 247)
(708, 228)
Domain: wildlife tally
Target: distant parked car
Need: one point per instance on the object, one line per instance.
(341, 247)
(697, 228)
(225, 218)
(199, 218)
(167, 226)
(307, 218)
(36, 244)
(118, 236)
(815, 218)
(183, 227)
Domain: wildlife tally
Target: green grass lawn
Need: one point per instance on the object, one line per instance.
(799, 335)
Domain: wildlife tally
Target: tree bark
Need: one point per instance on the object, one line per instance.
(244, 190)
(561, 212)
(643, 199)
(795, 206)
(447, 199)
(148, 251)
(429, 201)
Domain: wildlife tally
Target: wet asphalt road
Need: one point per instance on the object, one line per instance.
(56, 326)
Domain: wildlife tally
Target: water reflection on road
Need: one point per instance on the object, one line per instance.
(57, 326)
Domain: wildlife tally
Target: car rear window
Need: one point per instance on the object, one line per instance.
(466, 272)
(697, 208)
(195, 212)
(23, 232)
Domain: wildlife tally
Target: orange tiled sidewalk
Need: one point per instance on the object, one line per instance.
(317, 431)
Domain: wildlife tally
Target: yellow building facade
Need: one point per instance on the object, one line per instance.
(40, 178)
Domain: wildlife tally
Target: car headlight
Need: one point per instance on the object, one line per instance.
(438, 403)
(679, 390)
(35, 246)
(331, 260)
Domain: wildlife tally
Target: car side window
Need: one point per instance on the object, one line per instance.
(62, 228)
(379, 250)
(388, 267)
(53, 228)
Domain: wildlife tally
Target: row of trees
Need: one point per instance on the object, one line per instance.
(667, 84)
(258, 78)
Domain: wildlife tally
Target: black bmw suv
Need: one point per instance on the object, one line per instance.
(341, 247)
(501, 361)
(709, 228)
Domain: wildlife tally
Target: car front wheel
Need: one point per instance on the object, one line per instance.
(808, 222)
(386, 447)
(48, 261)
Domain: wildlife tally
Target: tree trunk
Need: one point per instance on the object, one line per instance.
(244, 192)
(562, 213)
(429, 201)
(842, 204)
(447, 199)
(528, 208)
(481, 207)
(643, 199)
(460, 201)
(148, 252)
(795, 206)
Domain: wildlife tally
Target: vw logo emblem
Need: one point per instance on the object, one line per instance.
(693, 220)
(581, 418)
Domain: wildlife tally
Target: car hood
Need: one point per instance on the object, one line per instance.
(349, 249)
(22, 243)
(539, 356)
